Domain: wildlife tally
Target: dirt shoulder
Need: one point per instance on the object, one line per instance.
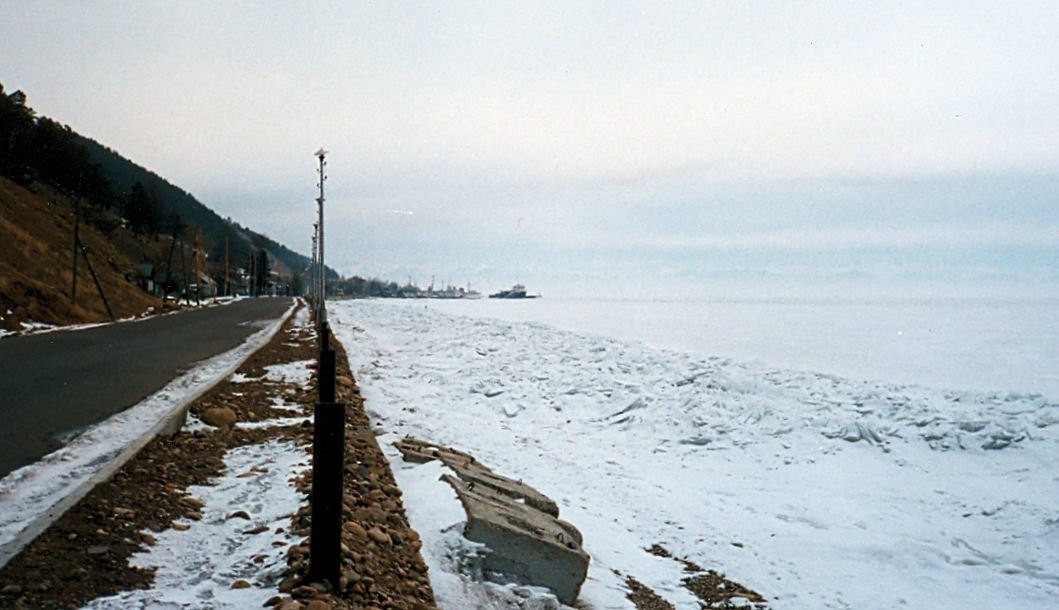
(85, 554)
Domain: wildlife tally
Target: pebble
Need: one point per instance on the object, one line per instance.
(379, 536)
(287, 585)
(351, 575)
(304, 591)
(220, 417)
(298, 550)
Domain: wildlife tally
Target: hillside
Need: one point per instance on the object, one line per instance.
(36, 273)
(56, 165)
(172, 201)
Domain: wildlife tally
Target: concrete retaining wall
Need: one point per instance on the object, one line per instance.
(519, 526)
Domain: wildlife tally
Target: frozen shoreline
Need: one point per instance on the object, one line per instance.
(964, 343)
(815, 490)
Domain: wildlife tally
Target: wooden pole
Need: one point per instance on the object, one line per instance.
(168, 270)
(184, 272)
(77, 241)
(200, 265)
(99, 287)
(227, 286)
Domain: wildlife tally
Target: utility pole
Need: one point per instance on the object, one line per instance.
(184, 269)
(320, 154)
(77, 234)
(200, 266)
(329, 423)
(178, 228)
(95, 278)
(77, 242)
(227, 285)
(313, 272)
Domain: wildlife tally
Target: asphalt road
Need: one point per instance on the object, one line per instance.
(55, 384)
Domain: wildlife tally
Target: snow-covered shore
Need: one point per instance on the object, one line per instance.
(815, 490)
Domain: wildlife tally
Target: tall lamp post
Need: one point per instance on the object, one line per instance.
(329, 423)
(312, 266)
(322, 313)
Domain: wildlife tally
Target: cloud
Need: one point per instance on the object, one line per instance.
(835, 238)
(496, 137)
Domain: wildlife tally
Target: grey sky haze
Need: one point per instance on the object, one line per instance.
(620, 145)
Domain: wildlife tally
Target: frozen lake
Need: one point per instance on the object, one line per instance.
(818, 453)
(959, 343)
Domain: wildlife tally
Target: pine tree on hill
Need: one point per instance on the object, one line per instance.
(141, 210)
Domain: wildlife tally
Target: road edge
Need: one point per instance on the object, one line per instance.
(170, 422)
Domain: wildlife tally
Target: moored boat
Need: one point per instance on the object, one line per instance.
(518, 291)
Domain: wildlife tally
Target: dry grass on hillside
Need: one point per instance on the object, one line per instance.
(36, 247)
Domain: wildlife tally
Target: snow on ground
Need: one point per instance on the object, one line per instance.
(814, 490)
(30, 492)
(196, 567)
(244, 533)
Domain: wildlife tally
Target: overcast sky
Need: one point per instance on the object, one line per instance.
(625, 147)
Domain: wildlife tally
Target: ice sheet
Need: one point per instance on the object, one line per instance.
(815, 490)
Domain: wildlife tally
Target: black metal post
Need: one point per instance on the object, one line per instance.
(329, 440)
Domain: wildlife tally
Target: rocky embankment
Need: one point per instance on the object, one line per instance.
(85, 554)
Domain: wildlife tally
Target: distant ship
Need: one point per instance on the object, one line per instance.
(518, 291)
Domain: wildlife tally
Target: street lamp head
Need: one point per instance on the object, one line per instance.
(320, 154)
